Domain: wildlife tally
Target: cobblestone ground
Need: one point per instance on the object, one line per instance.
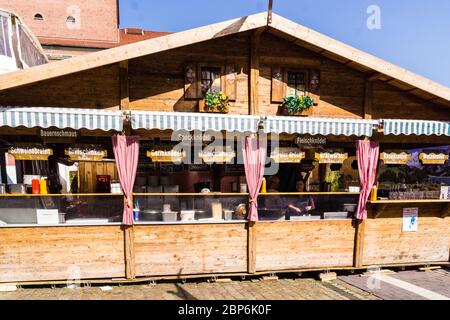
(405, 285)
(282, 289)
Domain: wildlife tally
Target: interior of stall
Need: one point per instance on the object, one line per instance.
(414, 172)
(58, 176)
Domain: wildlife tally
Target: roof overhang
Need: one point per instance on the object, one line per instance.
(374, 67)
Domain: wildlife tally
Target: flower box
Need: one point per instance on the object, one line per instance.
(305, 113)
(202, 108)
(297, 106)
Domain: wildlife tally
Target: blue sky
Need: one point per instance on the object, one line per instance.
(414, 34)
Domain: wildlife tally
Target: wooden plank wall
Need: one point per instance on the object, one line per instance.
(93, 89)
(157, 81)
(342, 89)
(305, 244)
(88, 171)
(190, 249)
(58, 253)
(385, 243)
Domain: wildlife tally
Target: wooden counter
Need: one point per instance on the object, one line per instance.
(304, 244)
(61, 253)
(386, 243)
(182, 249)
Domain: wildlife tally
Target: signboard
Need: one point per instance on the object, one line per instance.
(217, 155)
(395, 158)
(433, 158)
(410, 219)
(165, 154)
(86, 153)
(331, 157)
(30, 152)
(46, 133)
(287, 155)
(311, 140)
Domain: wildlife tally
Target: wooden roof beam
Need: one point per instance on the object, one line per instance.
(375, 76)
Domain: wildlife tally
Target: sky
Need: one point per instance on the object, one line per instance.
(414, 34)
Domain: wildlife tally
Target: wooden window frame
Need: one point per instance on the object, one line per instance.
(214, 65)
(294, 70)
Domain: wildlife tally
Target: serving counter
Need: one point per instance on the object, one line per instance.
(88, 248)
(384, 241)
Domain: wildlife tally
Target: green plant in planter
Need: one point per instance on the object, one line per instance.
(294, 104)
(217, 101)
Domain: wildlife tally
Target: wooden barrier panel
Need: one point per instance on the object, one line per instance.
(304, 244)
(386, 243)
(190, 249)
(61, 253)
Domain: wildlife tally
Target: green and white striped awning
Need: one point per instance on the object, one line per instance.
(416, 127)
(320, 126)
(191, 121)
(61, 118)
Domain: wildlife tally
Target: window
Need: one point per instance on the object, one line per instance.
(210, 79)
(71, 19)
(38, 16)
(296, 85)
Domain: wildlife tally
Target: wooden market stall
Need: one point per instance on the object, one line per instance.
(313, 97)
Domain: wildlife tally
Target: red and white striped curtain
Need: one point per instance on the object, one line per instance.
(126, 152)
(367, 153)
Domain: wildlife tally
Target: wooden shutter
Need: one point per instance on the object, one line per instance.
(230, 81)
(314, 85)
(191, 81)
(278, 84)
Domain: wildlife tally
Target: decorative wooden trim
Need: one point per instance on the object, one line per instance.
(359, 243)
(368, 97)
(251, 259)
(130, 266)
(124, 85)
(255, 40)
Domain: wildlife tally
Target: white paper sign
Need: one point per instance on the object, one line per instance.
(445, 192)
(410, 219)
(50, 216)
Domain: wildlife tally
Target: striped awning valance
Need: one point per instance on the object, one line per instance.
(193, 121)
(416, 127)
(320, 126)
(90, 119)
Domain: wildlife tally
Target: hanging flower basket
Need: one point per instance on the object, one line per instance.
(297, 106)
(215, 102)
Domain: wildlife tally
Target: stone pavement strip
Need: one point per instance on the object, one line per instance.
(282, 289)
(405, 285)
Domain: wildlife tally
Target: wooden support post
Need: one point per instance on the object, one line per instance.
(130, 267)
(254, 71)
(445, 210)
(251, 247)
(124, 86)
(367, 109)
(359, 243)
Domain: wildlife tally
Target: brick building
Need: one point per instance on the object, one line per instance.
(68, 28)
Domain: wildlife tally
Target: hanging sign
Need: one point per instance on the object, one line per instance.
(395, 158)
(410, 219)
(86, 153)
(217, 155)
(165, 154)
(433, 158)
(46, 133)
(287, 155)
(30, 152)
(331, 157)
